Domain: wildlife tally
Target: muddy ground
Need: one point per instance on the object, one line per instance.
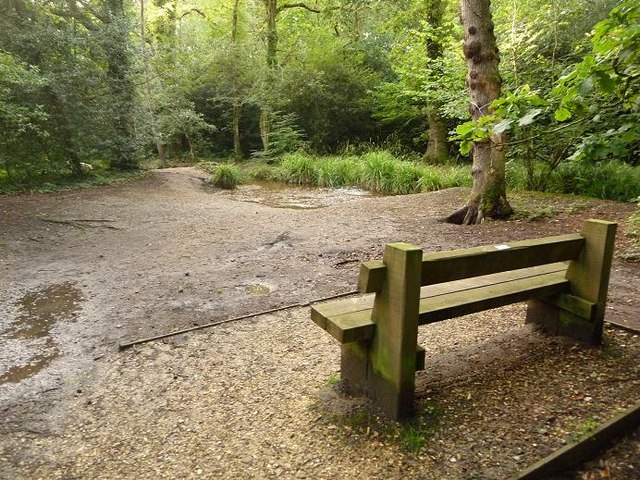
(83, 271)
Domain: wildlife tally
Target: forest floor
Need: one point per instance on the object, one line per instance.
(82, 271)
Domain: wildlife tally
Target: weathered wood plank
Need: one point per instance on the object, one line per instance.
(340, 307)
(574, 454)
(320, 312)
(351, 327)
(461, 286)
(456, 264)
(349, 320)
(589, 273)
(393, 346)
(442, 307)
(372, 275)
(575, 305)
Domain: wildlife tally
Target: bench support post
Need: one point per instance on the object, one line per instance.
(589, 280)
(384, 367)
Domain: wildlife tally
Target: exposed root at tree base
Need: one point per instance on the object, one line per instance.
(466, 215)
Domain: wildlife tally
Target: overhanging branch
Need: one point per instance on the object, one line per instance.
(297, 5)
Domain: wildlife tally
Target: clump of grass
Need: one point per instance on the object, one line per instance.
(613, 180)
(332, 380)
(227, 176)
(454, 176)
(378, 170)
(298, 168)
(407, 178)
(260, 171)
(430, 180)
(338, 171)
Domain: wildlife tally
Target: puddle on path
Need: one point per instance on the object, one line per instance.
(258, 289)
(280, 195)
(39, 311)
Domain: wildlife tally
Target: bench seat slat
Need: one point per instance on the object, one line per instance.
(350, 319)
(474, 300)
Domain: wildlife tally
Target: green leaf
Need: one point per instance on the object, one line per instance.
(465, 128)
(502, 126)
(586, 86)
(562, 114)
(465, 147)
(529, 117)
(605, 81)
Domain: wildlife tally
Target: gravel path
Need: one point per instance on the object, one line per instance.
(257, 398)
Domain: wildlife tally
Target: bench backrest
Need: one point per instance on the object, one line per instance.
(440, 267)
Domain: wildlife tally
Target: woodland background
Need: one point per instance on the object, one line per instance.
(323, 91)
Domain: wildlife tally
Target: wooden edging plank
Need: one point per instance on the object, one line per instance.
(576, 453)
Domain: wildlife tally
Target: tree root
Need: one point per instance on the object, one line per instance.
(466, 215)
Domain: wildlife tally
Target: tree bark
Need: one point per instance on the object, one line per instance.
(488, 194)
(437, 146)
(237, 105)
(237, 145)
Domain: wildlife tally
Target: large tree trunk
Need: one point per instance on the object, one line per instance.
(488, 194)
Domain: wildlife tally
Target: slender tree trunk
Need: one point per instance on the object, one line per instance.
(190, 143)
(271, 7)
(237, 106)
(437, 147)
(237, 144)
(119, 74)
(488, 194)
(147, 90)
(271, 10)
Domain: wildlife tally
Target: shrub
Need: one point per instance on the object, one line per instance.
(226, 176)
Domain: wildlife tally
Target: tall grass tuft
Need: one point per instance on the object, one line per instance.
(338, 171)
(407, 178)
(298, 168)
(227, 176)
(378, 170)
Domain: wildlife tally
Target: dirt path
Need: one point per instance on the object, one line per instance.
(83, 271)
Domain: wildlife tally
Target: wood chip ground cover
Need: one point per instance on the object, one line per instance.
(258, 398)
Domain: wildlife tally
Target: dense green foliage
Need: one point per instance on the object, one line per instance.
(104, 84)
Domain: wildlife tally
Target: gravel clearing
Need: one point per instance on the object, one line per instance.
(258, 398)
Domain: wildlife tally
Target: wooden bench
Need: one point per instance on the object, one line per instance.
(564, 278)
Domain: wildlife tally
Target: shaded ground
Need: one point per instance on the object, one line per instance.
(86, 270)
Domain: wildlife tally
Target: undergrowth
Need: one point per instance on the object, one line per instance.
(65, 182)
(611, 180)
(377, 171)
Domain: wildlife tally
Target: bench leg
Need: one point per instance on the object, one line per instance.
(588, 276)
(384, 368)
(553, 320)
